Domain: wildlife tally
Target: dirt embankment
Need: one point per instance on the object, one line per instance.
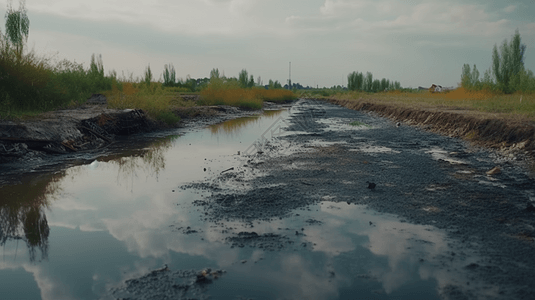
(89, 128)
(512, 138)
(69, 131)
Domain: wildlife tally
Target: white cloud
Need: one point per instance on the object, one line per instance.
(510, 9)
(262, 36)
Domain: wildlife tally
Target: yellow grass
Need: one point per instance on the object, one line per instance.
(515, 106)
(245, 98)
(155, 100)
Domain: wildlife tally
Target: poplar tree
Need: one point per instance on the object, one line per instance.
(508, 62)
(17, 26)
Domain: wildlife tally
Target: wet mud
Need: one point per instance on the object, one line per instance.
(515, 139)
(167, 284)
(330, 154)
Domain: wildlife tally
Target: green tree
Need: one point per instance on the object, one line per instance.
(148, 76)
(368, 82)
(355, 81)
(475, 78)
(508, 62)
(243, 78)
(376, 85)
(384, 85)
(466, 77)
(96, 68)
(17, 26)
(214, 74)
(169, 75)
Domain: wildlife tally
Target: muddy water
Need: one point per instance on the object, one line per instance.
(82, 232)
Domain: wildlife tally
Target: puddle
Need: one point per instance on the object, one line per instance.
(339, 124)
(77, 233)
(439, 154)
(375, 149)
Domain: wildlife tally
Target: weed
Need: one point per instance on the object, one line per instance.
(358, 123)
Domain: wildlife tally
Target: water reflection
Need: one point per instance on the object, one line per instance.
(23, 205)
(104, 234)
(233, 127)
(149, 161)
(22, 213)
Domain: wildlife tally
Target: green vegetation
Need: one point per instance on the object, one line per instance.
(33, 84)
(358, 123)
(507, 73)
(356, 81)
(230, 91)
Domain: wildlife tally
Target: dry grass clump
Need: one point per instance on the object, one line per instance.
(244, 98)
(155, 100)
(248, 98)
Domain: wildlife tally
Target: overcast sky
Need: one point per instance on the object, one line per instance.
(413, 42)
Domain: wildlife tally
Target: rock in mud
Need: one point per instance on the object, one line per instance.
(166, 284)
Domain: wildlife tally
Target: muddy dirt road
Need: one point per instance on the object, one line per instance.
(325, 153)
(308, 201)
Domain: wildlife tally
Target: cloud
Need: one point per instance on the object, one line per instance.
(510, 8)
(342, 7)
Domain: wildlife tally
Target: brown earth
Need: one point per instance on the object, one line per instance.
(512, 138)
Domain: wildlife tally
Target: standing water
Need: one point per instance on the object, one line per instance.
(82, 232)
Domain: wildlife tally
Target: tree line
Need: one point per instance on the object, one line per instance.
(357, 81)
(244, 80)
(506, 74)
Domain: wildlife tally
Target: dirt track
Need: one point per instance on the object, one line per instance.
(422, 177)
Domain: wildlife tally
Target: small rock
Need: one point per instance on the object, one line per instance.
(494, 171)
(243, 261)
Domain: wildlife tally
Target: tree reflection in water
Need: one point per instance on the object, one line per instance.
(23, 205)
(22, 212)
(150, 160)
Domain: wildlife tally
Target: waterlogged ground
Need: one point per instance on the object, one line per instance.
(275, 207)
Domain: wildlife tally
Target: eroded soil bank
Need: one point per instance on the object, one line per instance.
(514, 139)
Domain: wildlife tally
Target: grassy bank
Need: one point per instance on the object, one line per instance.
(157, 101)
(478, 103)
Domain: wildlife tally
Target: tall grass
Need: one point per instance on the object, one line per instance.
(156, 100)
(221, 92)
(34, 83)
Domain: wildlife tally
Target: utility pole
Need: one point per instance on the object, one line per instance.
(290, 77)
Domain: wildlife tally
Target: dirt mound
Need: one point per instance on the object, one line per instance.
(67, 131)
(505, 135)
